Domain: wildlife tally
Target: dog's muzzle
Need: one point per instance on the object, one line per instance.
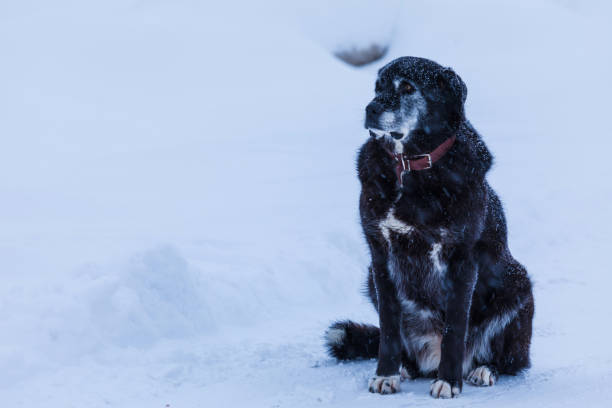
(382, 133)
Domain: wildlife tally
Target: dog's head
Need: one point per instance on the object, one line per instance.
(417, 100)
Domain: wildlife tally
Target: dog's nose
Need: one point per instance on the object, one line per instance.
(373, 108)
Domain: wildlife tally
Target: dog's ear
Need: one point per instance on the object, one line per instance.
(455, 84)
(453, 93)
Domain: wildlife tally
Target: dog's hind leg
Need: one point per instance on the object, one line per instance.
(511, 348)
(500, 339)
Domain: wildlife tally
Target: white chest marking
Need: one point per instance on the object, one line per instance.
(391, 223)
(434, 255)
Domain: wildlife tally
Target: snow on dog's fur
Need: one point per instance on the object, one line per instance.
(452, 301)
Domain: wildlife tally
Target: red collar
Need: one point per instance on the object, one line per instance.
(420, 161)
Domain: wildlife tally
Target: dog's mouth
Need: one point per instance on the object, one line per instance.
(390, 140)
(376, 133)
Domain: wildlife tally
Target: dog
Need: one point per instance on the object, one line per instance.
(453, 304)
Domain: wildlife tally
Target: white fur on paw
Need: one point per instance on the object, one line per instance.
(384, 385)
(481, 376)
(442, 389)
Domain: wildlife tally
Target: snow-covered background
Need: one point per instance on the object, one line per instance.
(178, 199)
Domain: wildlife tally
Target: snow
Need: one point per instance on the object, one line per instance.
(179, 199)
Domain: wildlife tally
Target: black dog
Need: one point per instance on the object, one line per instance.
(452, 301)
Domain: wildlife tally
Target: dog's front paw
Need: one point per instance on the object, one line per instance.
(384, 385)
(443, 389)
(482, 376)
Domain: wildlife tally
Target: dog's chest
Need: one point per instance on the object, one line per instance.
(417, 258)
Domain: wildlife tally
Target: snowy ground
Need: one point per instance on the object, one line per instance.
(178, 198)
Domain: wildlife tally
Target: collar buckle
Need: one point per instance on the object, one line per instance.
(405, 164)
(430, 163)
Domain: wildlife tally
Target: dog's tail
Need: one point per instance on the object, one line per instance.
(346, 340)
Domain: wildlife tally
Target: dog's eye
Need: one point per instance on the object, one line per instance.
(405, 87)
